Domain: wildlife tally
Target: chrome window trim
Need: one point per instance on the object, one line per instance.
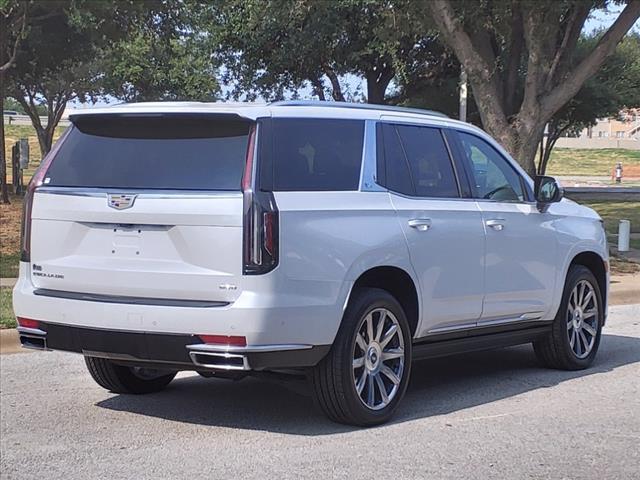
(411, 123)
(141, 192)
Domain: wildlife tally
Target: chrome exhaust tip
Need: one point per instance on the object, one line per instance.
(219, 360)
(33, 338)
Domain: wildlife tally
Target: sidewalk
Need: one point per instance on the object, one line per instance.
(624, 289)
(8, 282)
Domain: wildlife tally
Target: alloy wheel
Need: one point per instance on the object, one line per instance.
(378, 358)
(582, 319)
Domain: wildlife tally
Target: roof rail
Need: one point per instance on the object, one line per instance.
(360, 106)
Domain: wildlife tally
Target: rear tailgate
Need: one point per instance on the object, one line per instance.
(144, 207)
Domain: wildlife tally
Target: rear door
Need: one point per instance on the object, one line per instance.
(143, 206)
(443, 230)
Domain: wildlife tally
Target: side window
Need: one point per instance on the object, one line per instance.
(417, 162)
(492, 176)
(316, 154)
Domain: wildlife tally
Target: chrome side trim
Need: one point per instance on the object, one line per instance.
(212, 348)
(143, 193)
(531, 316)
(453, 328)
(96, 297)
(502, 321)
(489, 322)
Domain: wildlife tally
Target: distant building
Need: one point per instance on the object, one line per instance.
(626, 125)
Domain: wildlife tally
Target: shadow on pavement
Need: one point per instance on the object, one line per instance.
(437, 387)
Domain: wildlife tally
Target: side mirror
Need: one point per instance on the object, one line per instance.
(546, 191)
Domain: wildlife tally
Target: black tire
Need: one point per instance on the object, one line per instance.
(121, 379)
(555, 350)
(333, 378)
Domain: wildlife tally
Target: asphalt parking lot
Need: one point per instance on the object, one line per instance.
(484, 415)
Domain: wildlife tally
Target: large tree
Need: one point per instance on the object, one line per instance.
(53, 65)
(271, 47)
(519, 59)
(164, 57)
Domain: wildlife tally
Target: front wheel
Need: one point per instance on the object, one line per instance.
(364, 377)
(575, 334)
(121, 379)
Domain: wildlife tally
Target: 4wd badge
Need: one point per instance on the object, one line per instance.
(120, 201)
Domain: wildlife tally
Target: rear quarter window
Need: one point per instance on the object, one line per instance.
(166, 152)
(315, 154)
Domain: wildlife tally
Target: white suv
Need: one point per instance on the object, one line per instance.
(337, 241)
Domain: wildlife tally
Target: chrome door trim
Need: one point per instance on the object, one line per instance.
(489, 322)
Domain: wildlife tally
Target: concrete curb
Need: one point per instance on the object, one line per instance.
(10, 343)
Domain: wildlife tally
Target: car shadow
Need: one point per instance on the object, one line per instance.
(437, 387)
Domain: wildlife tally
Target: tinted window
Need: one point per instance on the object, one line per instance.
(397, 173)
(493, 177)
(316, 154)
(417, 162)
(172, 152)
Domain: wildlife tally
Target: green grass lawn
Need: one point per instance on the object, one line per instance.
(7, 319)
(613, 212)
(9, 265)
(573, 161)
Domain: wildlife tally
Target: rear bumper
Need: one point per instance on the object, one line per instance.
(174, 351)
(268, 311)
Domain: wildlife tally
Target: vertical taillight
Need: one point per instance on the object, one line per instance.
(260, 222)
(36, 181)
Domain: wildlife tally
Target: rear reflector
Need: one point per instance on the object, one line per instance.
(235, 341)
(28, 323)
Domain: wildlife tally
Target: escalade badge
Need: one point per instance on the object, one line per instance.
(120, 201)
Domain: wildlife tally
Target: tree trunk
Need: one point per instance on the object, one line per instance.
(318, 89)
(378, 79)
(521, 142)
(336, 92)
(45, 139)
(375, 92)
(4, 189)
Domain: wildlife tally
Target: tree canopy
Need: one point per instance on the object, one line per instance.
(520, 59)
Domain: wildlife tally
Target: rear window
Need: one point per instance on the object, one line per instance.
(316, 154)
(167, 152)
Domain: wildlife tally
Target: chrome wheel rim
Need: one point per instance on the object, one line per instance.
(378, 359)
(582, 319)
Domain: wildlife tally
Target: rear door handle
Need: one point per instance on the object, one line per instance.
(496, 223)
(420, 224)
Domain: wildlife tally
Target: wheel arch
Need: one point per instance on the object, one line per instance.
(399, 283)
(598, 266)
